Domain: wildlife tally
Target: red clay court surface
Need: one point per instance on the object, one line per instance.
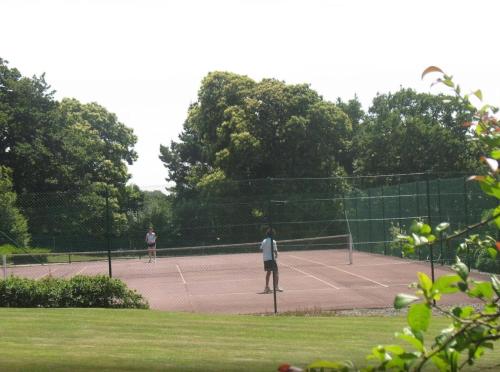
(233, 283)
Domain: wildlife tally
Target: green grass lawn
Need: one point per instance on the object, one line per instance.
(143, 340)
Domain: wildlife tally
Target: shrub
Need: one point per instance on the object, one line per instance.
(79, 291)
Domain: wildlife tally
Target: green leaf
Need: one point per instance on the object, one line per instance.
(442, 226)
(426, 229)
(495, 282)
(492, 252)
(395, 349)
(448, 82)
(441, 363)
(425, 282)
(496, 211)
(495, 154)
(416, 226)
(463, 312)
(490, 309)
(461, 269)
(478, 94)
(419, 316)
(447, 283)
(482, 290)
(402, 300)
(409, 337)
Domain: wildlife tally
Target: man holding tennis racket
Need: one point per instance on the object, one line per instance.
(151, 243)
(270, 255)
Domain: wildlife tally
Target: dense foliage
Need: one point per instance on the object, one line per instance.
(473, 329)
(13, 225)
(79, 291)
(65, 158)
(406, 132)
(243, 144)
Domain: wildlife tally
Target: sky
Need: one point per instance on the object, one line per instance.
(144, 59)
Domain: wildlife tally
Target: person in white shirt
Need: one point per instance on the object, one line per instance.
(151, 242)
(270, 264)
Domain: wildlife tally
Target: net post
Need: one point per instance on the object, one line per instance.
(349, 234)
(4, 265)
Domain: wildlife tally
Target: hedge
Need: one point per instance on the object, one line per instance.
(78, 291)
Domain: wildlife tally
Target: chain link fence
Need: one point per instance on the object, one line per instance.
(373, 209)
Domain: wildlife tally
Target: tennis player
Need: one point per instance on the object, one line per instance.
(151, 242)
(270, 264)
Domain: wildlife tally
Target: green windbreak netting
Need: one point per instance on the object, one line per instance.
(377, 214)
(373, 209)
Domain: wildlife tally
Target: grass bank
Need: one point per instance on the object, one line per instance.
(140, 340)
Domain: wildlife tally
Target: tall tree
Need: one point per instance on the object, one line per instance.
(13, 225)
(408, 131)
(239, 130)
(26, 117)
(58, 146)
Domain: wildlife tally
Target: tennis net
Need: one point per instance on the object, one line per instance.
(224, 257)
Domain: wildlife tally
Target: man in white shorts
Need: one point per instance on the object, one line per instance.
(270, 264)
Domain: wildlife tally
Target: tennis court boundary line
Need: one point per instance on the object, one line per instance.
(180, 273)
(336, 268)
(310, 275)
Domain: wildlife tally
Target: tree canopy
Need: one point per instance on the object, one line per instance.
(407, 131)
(242, 129)
(58, 146)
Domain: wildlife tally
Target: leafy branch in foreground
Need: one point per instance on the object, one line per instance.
(473, 329)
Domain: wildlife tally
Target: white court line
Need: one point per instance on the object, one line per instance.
(180, 273)
(80, 271)
(47, 273)
(386, 264)
(310, 275)
(336, 268)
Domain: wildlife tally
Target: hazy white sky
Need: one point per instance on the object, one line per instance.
(144, 59)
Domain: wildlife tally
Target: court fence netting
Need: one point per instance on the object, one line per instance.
(95, 222)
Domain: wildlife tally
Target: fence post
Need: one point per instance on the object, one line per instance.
(429, 221)
(370, 219)
(441, 253)
(4, 265)
(383, 220)
(418, 214)
(466, 212)
(400, 215)
(108, 237)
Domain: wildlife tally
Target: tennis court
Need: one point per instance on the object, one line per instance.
(234, 283)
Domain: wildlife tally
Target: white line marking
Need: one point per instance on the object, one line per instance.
(180, 273)
(80, 271)
(310, 275)
(336, 268)
(46, 274)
